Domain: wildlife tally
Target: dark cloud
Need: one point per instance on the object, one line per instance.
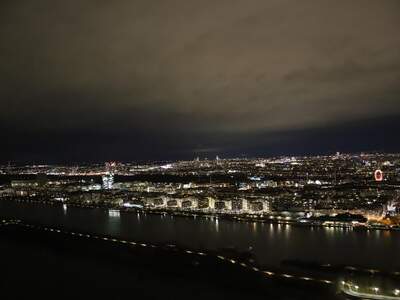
(108, 74)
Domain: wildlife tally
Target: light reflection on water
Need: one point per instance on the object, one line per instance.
(271, 243)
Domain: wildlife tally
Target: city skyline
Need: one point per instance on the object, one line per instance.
(230, 149)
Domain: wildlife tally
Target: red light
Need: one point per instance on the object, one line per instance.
(378, 175)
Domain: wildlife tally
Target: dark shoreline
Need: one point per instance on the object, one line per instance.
(41, 257)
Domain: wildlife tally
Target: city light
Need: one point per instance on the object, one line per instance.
(252, 200)
(375, 289)
(201, 149)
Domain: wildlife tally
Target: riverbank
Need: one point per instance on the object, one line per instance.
(275, 218)
(269, 243)
(37, 257)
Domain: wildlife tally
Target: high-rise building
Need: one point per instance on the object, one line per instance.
(108, 181)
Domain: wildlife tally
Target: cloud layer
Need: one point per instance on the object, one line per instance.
(205, 68)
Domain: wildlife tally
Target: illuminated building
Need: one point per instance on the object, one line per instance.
(266, 208)
(228, 205)
(256, 206)
(211, 203)
(245, 205)
(172, 203)
(108, 181)
(186, 204)
(219, 205)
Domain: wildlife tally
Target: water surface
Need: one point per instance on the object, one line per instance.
(271, 243)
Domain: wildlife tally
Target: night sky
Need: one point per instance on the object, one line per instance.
(85, 81)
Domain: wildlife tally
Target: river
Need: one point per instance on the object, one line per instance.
(271, 243)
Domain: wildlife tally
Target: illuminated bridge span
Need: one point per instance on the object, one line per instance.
(250, 267)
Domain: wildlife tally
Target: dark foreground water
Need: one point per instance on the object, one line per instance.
(271, 243)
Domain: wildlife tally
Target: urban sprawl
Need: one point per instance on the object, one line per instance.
(344, 190)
